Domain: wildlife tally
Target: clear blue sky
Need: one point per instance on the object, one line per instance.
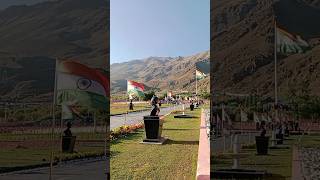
(144, 28)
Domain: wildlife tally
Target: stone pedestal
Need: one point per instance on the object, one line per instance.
(153, 129)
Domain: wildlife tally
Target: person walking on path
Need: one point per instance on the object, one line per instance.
(131, 105)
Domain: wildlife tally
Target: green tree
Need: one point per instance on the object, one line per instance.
(148, 95)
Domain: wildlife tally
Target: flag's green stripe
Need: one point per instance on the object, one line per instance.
(136, 92)
(82, 98)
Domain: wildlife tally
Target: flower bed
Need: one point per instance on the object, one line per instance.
(123, 131)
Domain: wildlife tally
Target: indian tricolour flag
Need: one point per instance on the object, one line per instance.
(135, 88)
(200, 75)
(80, 85)
(288, 43)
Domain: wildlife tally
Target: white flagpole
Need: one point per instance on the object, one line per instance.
(5, 111)
(94, 122)
(53, 118)
(196, 87)
(106, 142)
(275, 69)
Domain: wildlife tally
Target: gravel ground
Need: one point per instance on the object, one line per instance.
(310, 163)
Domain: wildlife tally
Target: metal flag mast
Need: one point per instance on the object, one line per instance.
(53, 118)
(196, 87)
(275, 81)
(275, 70)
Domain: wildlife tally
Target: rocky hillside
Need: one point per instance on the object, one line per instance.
(7, 3)
(243, 46)
(33, 36)
(161, 73)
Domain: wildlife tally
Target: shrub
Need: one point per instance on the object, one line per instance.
(123, 131)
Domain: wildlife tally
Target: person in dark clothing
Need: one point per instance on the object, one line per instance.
(68, 132)
(191, 106)
(131, 105)
(155, 109)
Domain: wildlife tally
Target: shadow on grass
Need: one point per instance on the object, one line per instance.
(275, 177)
(113, 153)
(20, 168)
(169, 141)
(176, 129)
(262, 164)
(130, 136)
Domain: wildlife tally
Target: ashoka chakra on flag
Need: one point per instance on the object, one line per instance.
(80, 85)
(135, 88)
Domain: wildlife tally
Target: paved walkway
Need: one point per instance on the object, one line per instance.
(81, 169)
(137, 117)
(296, 165)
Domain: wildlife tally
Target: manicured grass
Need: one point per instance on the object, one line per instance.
(310, 140)
(117, 108)
(278, 163)
(35, 149)
(176, 159)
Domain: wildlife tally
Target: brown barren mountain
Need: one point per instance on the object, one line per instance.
(243, 48)
(33, 36)
(161, 74)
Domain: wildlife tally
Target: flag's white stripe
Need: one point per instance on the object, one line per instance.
(132, 87)
(199, 73)
(67, 81)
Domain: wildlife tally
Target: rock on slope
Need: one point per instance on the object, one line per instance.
(162, 73)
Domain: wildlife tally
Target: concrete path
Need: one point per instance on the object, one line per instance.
(81, 169)
(296, 164)
(137, 117)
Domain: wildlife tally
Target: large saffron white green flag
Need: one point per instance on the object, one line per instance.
(80, 85)
(288, 43)
(200, 75)
(135, 88)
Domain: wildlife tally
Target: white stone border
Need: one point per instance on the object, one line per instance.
(203, 165)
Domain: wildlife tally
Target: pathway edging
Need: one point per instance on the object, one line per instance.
(297, 173)
(203, 165)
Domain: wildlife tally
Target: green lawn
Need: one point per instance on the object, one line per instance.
(278, 163)
(312, 140)
(35, 149)
(177, 159)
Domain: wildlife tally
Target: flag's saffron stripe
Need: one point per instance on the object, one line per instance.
(136, 84)
(76, 68)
